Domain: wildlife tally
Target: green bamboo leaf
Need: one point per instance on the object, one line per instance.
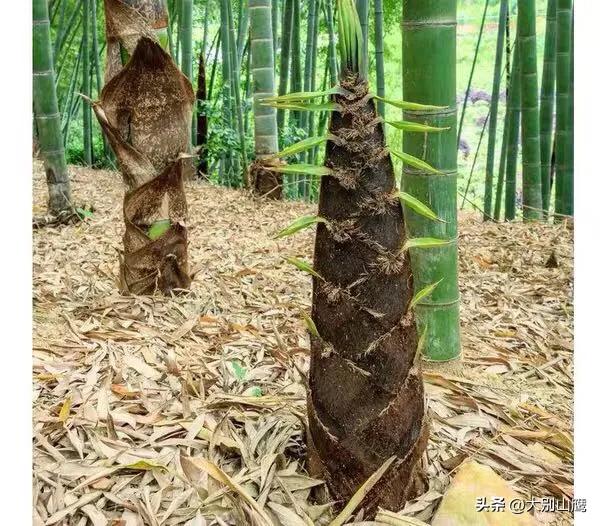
(310, 169)
(256, 392)
(84, 213)
(304, 267)
(310, 325)
(415, 162)
(422, 294)
(301, 146)
(415, 127)
(425, 242)
(418, 206)
(305, 95)
(239, 370)
(299, 224)
(403, 105)
(158, 228)
(307, 106)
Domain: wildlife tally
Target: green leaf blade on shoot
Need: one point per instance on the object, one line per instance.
(425, 242)
(158, 228)
(359, 39)
(345, 27)
(301, 146)
(404, 105)
(343, 41)
(424, 293)
(310, 325)
(360, 494)
(310, 169)
(304, 267)
(307, 106)
(304, 95)
(415, 162)
(416, 127)
(299, 224)
(418, 206)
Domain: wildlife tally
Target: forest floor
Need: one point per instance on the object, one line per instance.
(154, 410)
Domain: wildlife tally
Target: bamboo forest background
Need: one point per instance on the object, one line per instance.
(78, 37)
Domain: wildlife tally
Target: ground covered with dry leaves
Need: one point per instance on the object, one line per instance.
(161, 411)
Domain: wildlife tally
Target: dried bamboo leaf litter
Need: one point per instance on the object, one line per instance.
(127, 391)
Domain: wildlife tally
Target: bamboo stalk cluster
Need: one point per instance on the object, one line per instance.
(303, 58)
(539, 119)
(219, 62)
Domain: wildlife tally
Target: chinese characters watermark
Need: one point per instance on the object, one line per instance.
(520, 506)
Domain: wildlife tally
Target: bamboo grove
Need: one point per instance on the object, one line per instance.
(287, 99)
(538, 129)
(529, 162)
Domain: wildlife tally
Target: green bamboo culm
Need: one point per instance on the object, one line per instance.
(263, 85)
(430, 78)
(243, 27)
(66, 36)
(177, 16)
(493, 119)
(275, 25)
(237, 98)
(307, 118)
(513, 123)
(295, 86)
(284, 68)
(499, 199)
(379, 57)
(296, 59)
(530, 112)
(563, 81)
(362, 7)
(61, 28)
(332, 55)
(547, 99)
(46, 113)
(97, 53)
(313, 85)
(228, 159)
(185, 35)
(170, 25)
(503, 150)
(501, 173)
(569, 187)
(85, 86)
(310, 55)
(247, 86)
(70, 96)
